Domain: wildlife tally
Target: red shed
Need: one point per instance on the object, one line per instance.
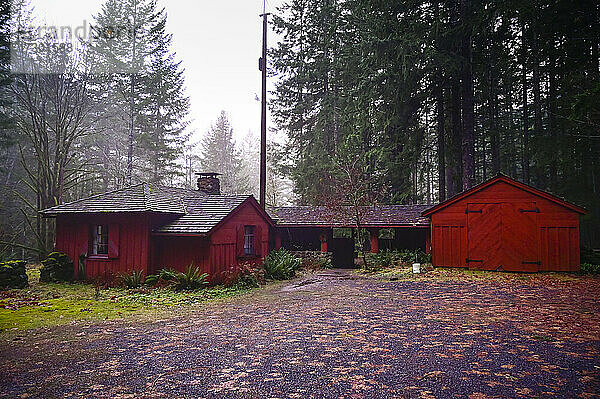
(148, 227)
(503, 224)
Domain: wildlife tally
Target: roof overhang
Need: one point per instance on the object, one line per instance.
(248, 201)
(366, 226)
(503, 178)
(50, 214)
(178, 234)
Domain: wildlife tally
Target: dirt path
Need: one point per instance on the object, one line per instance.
(333, 335)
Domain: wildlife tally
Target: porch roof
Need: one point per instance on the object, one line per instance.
(345, 216)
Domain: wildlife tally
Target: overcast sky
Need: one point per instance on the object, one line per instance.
(219, 43)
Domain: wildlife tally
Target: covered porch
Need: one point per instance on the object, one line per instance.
(334, 230)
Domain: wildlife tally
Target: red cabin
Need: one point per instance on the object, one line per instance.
(503, 224)
(148, 227)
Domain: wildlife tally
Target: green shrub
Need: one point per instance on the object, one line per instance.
(13, 275)
(163, 277)
(588, 255)
(56, 268)
(590, 268)
(191, 279)
(383, 259)
(323, 263)
(133, 279)
(415, 255)
(243, 275)
(281, 265)
(389, 258)
(314, 260)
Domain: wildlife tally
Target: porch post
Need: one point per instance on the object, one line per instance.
(323, 238)
(277, 240)
(374, 240)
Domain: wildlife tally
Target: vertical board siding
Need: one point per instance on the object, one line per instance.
(559, 248)
(171, 252)
(72, 238)
(217, 252)
(449, 249)
(548, 233)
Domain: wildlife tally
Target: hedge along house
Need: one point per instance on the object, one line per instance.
(148, 227)
(328, 229)
(503, 224)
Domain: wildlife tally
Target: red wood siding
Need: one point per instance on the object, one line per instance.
(217, 252)
(128, 236)
(448, 242)
(507, 228)
(179, 252)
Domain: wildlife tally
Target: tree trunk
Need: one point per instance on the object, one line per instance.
(525, 154)
(454, 170)
(441, 143)
(440, 120)
(468, 126)
(494, 133)
(131, 128)
(552, 111)
(131, 99)
(537, 107)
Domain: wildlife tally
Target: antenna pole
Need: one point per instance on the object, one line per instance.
(262, 66)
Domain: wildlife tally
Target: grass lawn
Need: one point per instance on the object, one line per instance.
(53, 304)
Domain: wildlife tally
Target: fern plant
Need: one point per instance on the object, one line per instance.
(190, 279)
(281, 265)
(133, 279)
(162, 277)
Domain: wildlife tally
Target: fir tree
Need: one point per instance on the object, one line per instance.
(139, 91)
(219, 154)
(164, 110)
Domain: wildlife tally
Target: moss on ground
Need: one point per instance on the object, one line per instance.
(404, 272)
(54, 304)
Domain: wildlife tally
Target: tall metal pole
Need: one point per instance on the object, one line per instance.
(263, 115)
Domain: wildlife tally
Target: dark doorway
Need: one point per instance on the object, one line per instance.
(342, 250)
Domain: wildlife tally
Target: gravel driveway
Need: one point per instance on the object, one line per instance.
(334, 335)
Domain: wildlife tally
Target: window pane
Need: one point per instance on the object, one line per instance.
(100, 240)
(249, 240)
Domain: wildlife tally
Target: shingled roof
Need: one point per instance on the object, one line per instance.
(198, 212)
(371, 216)
(142, 197)
(203, 212)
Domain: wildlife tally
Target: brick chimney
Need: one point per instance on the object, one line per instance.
(208, 183)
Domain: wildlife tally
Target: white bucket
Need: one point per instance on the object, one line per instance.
(416, 268)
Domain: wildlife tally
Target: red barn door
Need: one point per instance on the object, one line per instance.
(484, 235)
(520, 237)
(503, 236)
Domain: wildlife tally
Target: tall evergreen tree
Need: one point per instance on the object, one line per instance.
(164, 108)
(510, 86)
(219, 154)
(139, 91)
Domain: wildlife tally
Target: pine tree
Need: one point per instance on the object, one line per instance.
(219, 154)
(139, 90)
(250, 154)
(164, 110)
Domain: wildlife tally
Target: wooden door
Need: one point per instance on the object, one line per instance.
(484, 236)
(520, 237)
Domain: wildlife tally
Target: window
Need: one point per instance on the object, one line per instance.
(100, 240)
(249, 240)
